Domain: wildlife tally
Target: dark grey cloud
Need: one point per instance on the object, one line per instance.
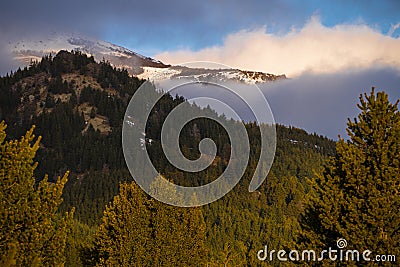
(322, 103)
(7, 63)
(150, 23)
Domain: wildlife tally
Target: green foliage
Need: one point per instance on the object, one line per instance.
(122, 236)
(241, 223)
(91, 192)
(32, 233)
(139, 231)
(357, 197)
(80, 245)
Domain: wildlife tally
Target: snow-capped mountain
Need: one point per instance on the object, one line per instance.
(205, 74)
(144, 67)
(27, 50)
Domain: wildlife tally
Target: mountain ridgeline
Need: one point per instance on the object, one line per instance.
(78, 107)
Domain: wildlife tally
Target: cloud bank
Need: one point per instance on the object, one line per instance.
(314, 48)
(322, 103)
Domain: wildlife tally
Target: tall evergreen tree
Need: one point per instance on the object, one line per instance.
(124, 234)
(137, 230)
(357, 197)
(32, 233)
(179, 233)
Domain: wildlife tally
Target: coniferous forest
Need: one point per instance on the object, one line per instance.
(67, 197)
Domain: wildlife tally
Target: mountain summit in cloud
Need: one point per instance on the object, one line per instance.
(25, 51)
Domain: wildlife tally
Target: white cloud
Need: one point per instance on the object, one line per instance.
(313, 48)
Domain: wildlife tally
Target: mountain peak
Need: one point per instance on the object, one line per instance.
(136, 64)
(27, 50)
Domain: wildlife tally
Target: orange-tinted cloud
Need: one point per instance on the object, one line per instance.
(314, 48)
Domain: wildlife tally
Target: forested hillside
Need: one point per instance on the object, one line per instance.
(78, 106)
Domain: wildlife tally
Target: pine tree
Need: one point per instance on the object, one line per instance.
(137, 230)
(357, 197)
(122, 238)
(179, 233)
(32, 233)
